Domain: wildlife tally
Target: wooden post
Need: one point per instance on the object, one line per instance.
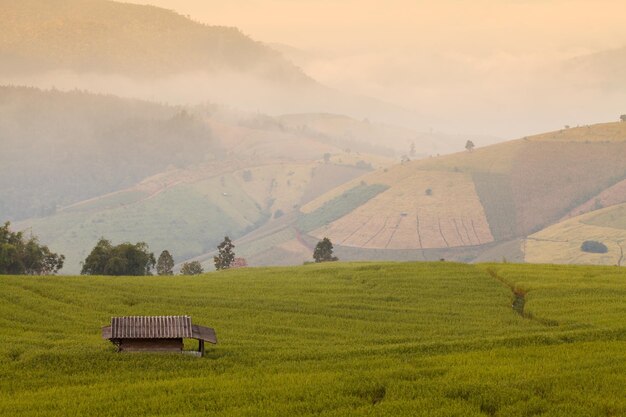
(201, 347)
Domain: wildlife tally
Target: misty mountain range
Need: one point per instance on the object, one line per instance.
(137, 123)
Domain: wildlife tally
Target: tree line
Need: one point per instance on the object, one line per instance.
(20, 255)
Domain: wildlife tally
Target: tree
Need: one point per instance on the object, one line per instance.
(469, 145)
(225, 256)
(412, 150)
(191, 268)
(326, 158)
(123, 259)
(623, 117)
(21, 256)
(593, 246)
(165, 264)
(324, 251)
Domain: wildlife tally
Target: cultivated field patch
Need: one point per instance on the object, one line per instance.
(429, 209)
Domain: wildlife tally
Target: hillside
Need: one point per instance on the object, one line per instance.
(120, 38)
(469, 204)
(76, 166)
(146, 52)
(561, 243)
(61, 148)
(341, 340)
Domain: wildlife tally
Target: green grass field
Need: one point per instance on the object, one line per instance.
(388, 339)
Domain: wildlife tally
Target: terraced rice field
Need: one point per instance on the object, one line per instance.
(429, 209)
(367, 339)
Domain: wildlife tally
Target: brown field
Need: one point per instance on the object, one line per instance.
(405, 217)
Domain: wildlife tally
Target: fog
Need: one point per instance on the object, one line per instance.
(499, 68)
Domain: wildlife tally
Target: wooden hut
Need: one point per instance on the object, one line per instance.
(156, 333)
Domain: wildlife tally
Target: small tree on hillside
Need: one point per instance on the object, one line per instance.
(412, 150)
(165, 264)
(324, 251)
(469, 145)
(191, 268)
(623, 117)
(225, 256)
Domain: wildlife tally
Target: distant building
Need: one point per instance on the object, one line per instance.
(156, 333)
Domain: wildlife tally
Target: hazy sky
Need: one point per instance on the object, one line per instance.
(437, 57)
(450, 24)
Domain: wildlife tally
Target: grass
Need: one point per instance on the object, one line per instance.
(367, 339)
(187, 220)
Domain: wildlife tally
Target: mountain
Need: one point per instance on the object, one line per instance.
(76, 166)
(60, 148)
(109, 37)
(154, 54)
(603, 70)
(478, 205)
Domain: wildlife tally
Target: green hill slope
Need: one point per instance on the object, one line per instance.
(341, 340)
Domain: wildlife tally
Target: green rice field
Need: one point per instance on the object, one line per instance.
(360, 339)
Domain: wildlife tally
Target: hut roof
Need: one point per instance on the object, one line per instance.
(151, 327)
(157, 327)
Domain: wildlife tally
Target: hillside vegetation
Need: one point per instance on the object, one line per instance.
(343, 340)
(61, 148)
(120, 38)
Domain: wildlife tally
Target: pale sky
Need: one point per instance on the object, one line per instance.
(451, 24)
(437, 57)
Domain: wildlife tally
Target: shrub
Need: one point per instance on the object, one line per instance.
(592, 246)
(191, 268)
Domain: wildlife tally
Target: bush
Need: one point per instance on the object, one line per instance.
(592, 246)
(191, 268)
